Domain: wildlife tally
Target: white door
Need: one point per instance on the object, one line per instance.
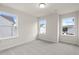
(68, 28)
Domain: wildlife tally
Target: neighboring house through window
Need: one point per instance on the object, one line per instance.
(68, 26)
(8, 28)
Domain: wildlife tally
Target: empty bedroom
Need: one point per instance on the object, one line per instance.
(39, 28)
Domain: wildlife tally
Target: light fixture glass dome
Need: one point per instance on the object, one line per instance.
(42, 5)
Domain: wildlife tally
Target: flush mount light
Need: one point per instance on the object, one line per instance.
(42, 5)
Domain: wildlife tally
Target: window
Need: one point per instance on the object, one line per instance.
(42, 26)
(68, 26)
(8, 26)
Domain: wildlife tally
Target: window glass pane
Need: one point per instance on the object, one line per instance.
(42, 24)
(7, 19)
(5, 32)
(8, 26)
(14, 30)
(68, 26)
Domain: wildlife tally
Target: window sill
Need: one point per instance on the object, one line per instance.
(68, 35)
(9, 38)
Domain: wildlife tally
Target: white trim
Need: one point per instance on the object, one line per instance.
(9, 37)
(58, 24)
(68, 35)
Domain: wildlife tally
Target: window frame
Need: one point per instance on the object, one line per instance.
(62, 26)
(15, 36)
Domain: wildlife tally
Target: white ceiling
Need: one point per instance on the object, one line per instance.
(33, 8)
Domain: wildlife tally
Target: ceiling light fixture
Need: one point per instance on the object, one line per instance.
(42, 5)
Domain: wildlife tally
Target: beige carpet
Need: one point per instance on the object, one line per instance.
(38, 47)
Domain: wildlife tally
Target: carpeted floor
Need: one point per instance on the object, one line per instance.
(38, 47)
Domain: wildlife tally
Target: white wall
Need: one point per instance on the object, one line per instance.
(51, 29)
(27, 29)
